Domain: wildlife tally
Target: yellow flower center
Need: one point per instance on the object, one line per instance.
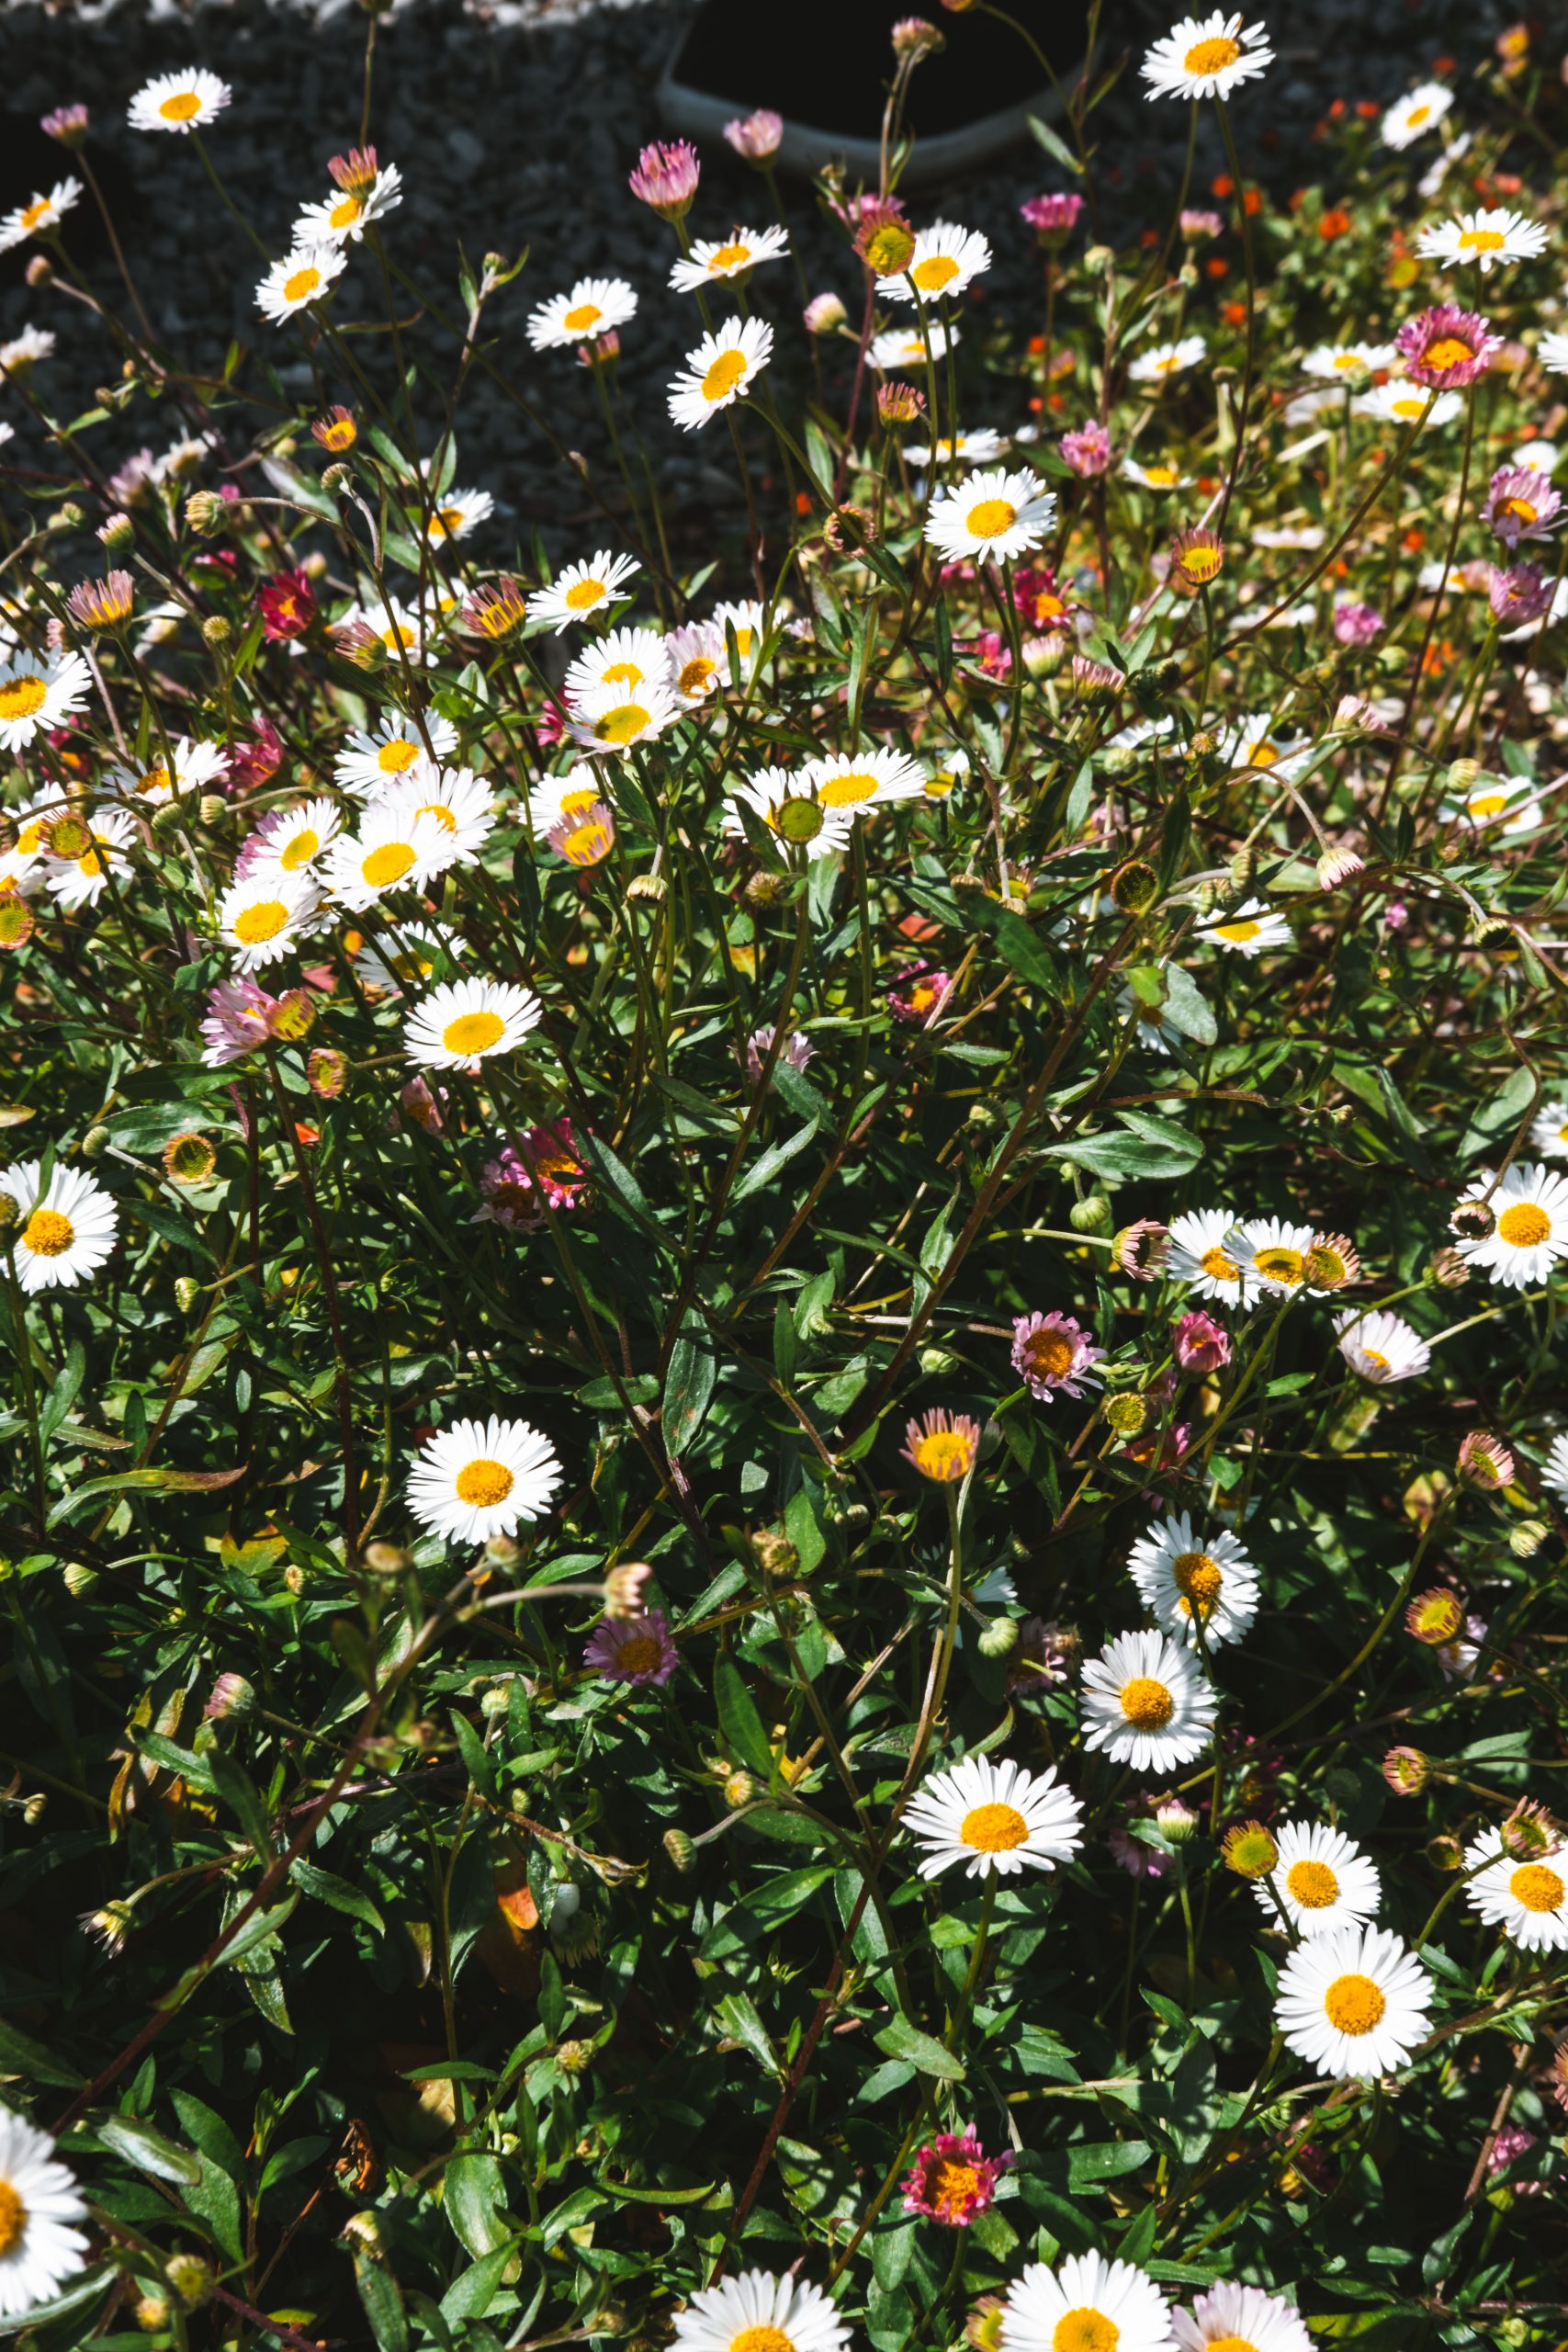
(641, 1655)
(943, 1454)
(762, 2339)
(301, 283)
(935, 272)
(1212, 56)
(1160, 477)
(1218, 1267)
(889, 250)
(184, 106)
(155, 781)
(261, 922)
(697, 676)
(991, 517)
(1200, 563)
(387, 865)
(731, 256)
(1522, 1224)
(20, 697)
(442, 814)
(394, 758)
(848, 791)
(583, 595)
(345, 212)
(47, 1233)
(1418, 115)
(341, 434)
(1199, 1579)
(1523, 509)
(622, 725)
(1050, 1354)
(1482, 241)
(301, 849)
(581, 317)
(1230, 2343)
(1263, 754)
(1379, 1362)
(1085, 2331)
(1538, 1888)
(472, 1033)
(1354, 2004)
(1409, 404)
(13, 2218)
(445, 521)
(1487, 804)
(1449, 351)
(1279, 1265)
(484, 1483)
(1238, 934)
(954, 2186)
(33, 213)
(993, 1828)
(622, 673)
(724, 375)
(1312, 1885)
(1147, 1705)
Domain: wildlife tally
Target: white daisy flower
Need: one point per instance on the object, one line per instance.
(611, 720)
(40, 2249)
(594, 307)
(1381, 1346)
(292, 839)
(993, 1816)
(482, 1479)
(21, 874)
(1185, 1582)
(557, 798)
(1162, 475)
(1555, 1474)
(897, 348)
(978, 449)
(699, 662)
(1333, 360)
(35, 815)
(1321, 1882)
(1145, 1703)
(711, 259)
(262, 917)
(1242, 2319)
(463, 1020)
(343, 217)
(945, 263)
(395, 849)
(1528, 1900)
(406, 955)
(45, 212)
(719, 371)
(1549, 1130)
(626, 658)
(456, 513)
(188, 101)
(993, 517)
(1140, 731)
(744, 618)
(1412, 116)
(374, 760)
(1258, 741)
(1399, 402)
(1153, 1030)
(1205, 57)
(301, 278)
(1168, 360)
(82, 881)
(789, 808)
(582, 590)
(195, 766)
(456, 801)
(858, 780)
(23, 351)
(1247, 930)
(1353, 2002)
(1201, 1257)
(1510, 801)
(756, 2311)
(1552, 351)
(1530, 1228)
(37, 691)
(397, 627)
(1492, 235)
(63, 1231)
(1272, 1254)
(1085, 2305)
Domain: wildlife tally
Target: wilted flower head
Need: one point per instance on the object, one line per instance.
(1486, 1461)
(666, 177)
(1445, 348)
(1521, 593)
(757, 135)
(1406, 1770)
(1200, 1344)
(796, 1050)
(535, 1170)
(1139, 1250)
(1087, 450)
(1335, 866)
(952, 2178)
(917, 37)
(899, 403)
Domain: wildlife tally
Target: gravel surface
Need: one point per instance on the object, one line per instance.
(514, 133)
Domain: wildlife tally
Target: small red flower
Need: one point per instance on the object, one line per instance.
(287, 607)
(952, 2178)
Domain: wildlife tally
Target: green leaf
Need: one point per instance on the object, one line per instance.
(761, 1173)
(326, 1888)
(1055, 146)
(383, 2301)
(1145, 1147)
(474, 2199)
(1105, 2160)
(738, 2018)
(689, 1382)
(738, 1722)
(901, 2040)
(1186, 1007)
(148, 2151)
(20, 2054)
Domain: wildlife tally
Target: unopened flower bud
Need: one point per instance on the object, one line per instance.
(1529, 1832)
(205, 511)
(231, 1696)
(1126, 1413)
(152, 2314)
(1444, 1854)
(79, 1579)
(385, 1559)
(1174, 1819)
(1435, 1617)
(362, 2234)
(190, 2278)
(1447, 1270)
(117, 534)
(217, 631)
(1091, 1215)
(824, 315)
(40, 270)
(1462, 775)
(999, 1638)
(294, 1579)
(765, 888)
(680, 1850)
(1243, 869)
(336, 479)
(35, 1808)
(624, 1587)
(774, 1552)
(95, 1143)
(652, 887)
(849, 528)
(574, 2057)
(741, 1789)
(293, 1017)
(1406, 1770)
(899, 403)
(187, 1290)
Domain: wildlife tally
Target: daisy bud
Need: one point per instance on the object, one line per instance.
(680, 1850)
(1174, 1819)
(1528, 1538)
(884, 239)
(741, 1789)
(217, 632)
(764, 889)
(187, 1290)
(1444, 1854)
(1529, 1832)
(999, 1638)
(189, 1158)
(117, 533)
(1406, 1770)
(79, 1580)
(824, 315)
(1091, 1215)
(294, 1579)
(190, 2278)
(1462, 775)
(1139, 1251)
(1249, 1849)
(666, 177)
(914, 38)
(849, 529)
(1126, 1413)
(1435, 1617)
(1486, 1461)
(152, 2314)
(1243, 869)
(17, 922)
(385, 1559)
(327, 1071)
(899, 403)
(757, 135)
(205, 511)
(292, 1016)
(210, 807)
(574, 2057)
(1135, 886)
(35, 1808)
(336, 480)
(1099, 258)
(1447, 1270)
(1472, 1219)
(983, 2328)
(1336, 865)
(774, 1554)
(231, 1696)
(40, 270)
(65, 125)
(68, 837)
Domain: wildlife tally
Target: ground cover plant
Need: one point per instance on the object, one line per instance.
(786, 1460)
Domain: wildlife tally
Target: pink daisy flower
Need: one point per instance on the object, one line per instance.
(952, 2178)
(1446, 348)
(1052, 1352)
(632, 1650)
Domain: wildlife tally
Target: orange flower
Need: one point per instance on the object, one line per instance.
(1216, 267)
(1235, 315)
(1414, 539)
(1223, 185)
(1368, 110)
(1333, 224)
